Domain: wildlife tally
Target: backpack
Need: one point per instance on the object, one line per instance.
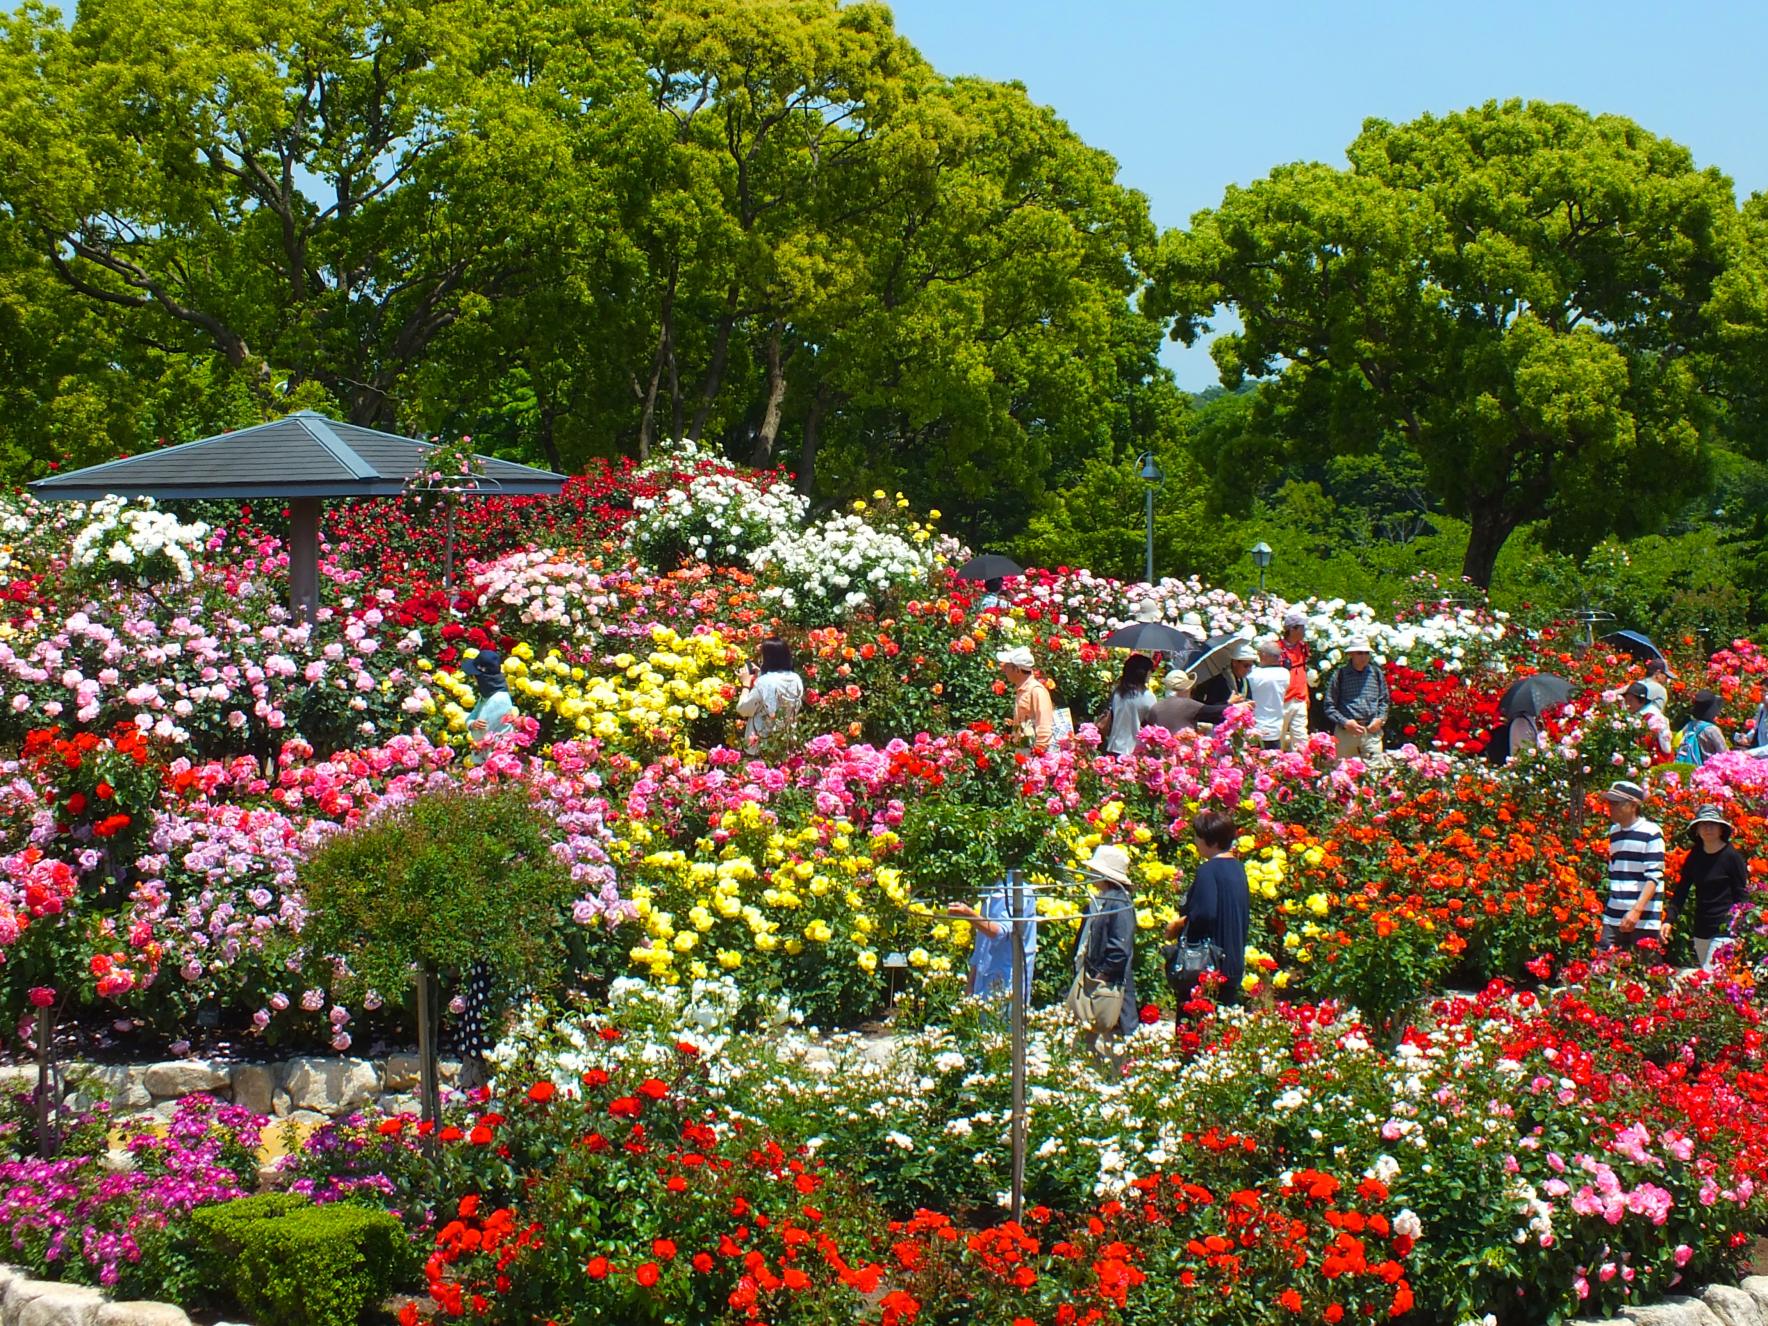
(1691, 751)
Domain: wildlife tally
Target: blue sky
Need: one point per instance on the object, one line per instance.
(1191, 95)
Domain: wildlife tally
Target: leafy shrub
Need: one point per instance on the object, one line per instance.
(285, 1262)
(448, 879)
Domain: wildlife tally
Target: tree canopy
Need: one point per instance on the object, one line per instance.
(1520, 292)
(569, 229)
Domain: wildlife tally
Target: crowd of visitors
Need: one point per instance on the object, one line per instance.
(1274, 681)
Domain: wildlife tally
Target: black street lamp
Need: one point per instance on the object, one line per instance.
(1261, 558)
(1153, 476)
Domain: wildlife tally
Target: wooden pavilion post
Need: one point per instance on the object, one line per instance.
(304, 558)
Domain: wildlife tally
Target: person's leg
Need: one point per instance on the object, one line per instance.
(1703, 952)
(1370, 748)
(1348, 742)
(1609, 937)
(1295, 724)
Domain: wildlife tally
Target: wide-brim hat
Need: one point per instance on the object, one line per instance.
(1243, 653)
(1295, 617)
(1019, 656)
(1709, 815)
(1358, 644)
(1111, 862)
(1179, 680)
(1624, 791)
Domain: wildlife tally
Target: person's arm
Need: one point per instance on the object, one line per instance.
(1203, 904)
(1335, 715)
(1043, 713)
(1118, 936)
(749, 702)
(1211, 713)
(1654, 878)
(1382, 698)
(1739, 874)
(976, 919)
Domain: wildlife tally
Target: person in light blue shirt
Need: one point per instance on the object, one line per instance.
(991, 953)
(495, 712)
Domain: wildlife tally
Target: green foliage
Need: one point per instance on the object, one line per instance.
(286, 1262)
(1515, 292)
(448, 879)
(953, 850)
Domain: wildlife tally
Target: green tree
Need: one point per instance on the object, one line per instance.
(1518, 292)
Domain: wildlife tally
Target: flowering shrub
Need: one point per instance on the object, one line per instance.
(721, 518)
(75, 1218)
(136, 542)
(843, 563)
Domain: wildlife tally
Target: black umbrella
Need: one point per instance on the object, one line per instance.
(988, 566)
(1532, 696)
(1636, 644)
(1151, 638)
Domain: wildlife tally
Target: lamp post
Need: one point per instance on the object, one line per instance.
(1153, 476)
(1261, 558)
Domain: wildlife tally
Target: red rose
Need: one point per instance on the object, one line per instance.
(663, 1250)
(597, 1269)
(541, 1092)
(647, 1274)
(653, 1088)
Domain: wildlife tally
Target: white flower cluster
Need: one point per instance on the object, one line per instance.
(837, 565)
(557, 593)
(715, 518)
(138, 541)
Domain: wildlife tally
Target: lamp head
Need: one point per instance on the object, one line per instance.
(1261, 554)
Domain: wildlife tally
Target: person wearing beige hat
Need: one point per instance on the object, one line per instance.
(1177, 710)
(1034, 712)
(1357, 702)
(1103, 997)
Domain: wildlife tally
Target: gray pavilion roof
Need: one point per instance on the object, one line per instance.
(300, 455)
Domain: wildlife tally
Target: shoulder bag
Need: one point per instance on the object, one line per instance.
(1094, 1005)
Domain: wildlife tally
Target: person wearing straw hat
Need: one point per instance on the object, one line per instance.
(1103, 996)
(1178, 710)
(1034, 712)
(1719, 878)
(1357, 701)
(1634, 909)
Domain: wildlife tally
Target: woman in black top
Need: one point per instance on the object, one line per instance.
(1719, 877)
(1218, 906)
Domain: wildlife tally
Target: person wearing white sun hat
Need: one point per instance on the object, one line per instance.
(1103, 996)
(1357, 702)
(1295, 652)
(1634, 910)
(1034, 712)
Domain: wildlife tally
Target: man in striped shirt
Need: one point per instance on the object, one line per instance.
(1634, 911)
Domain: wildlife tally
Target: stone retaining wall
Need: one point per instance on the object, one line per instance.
(310, 1089)
(27, 1302)
(1718, 1305)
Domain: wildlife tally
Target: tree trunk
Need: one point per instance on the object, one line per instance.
(776, 395)
(1488, 526)
(813, 436)
(715, 370)
(665, 352)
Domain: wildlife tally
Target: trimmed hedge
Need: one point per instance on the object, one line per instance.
(282, 1261)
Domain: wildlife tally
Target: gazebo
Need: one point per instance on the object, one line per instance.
(302, 459)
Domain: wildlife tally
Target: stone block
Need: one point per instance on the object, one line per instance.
(56, 1305)
(254, 1086)
(18, 1077)
(141, 1314)
(1756, 1286)
(402, 1073)
(280, 1104)
(184, 1077)
(398, 1105)
(1734, 1307)
(331, 1086)
(124, 1086)
(1671, 1312)
(308, 1119)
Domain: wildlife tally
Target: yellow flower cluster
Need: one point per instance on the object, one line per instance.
(769, 896)
(641, 701)
(894, 507)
